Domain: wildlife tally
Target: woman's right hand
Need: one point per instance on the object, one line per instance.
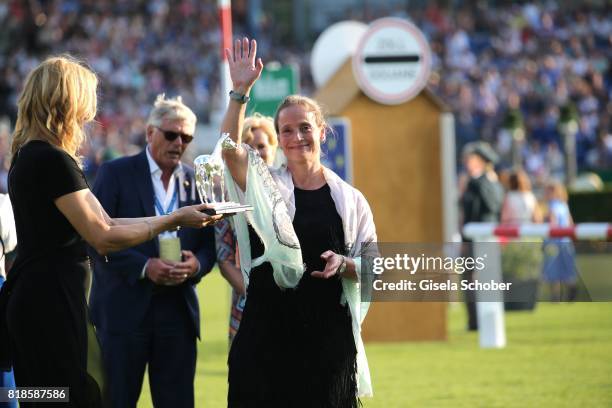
(192, 216)
(244, 69)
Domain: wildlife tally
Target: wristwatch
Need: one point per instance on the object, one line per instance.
(240, 98)
(342, 268)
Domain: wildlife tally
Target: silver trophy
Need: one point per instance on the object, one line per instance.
(210, 181)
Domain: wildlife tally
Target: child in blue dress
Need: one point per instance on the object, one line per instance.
(559, 253)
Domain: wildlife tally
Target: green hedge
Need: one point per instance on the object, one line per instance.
(606, 175)
(591, 206)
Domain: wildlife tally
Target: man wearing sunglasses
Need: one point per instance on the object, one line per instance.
(143, 300)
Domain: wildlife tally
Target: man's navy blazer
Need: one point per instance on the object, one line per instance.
(119, 296)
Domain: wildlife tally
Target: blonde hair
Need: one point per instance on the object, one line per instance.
(557, 190)
(58, 98)
(171, 109)
(309, 104)
(258, 121)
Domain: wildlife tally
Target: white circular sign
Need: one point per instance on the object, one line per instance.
(393, 61)
(334, 46)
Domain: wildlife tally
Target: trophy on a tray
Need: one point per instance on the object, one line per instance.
(210, 182)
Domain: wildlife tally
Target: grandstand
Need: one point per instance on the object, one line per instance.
(493, 61)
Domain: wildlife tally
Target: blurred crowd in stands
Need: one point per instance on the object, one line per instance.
(521, 65)
(522, 60)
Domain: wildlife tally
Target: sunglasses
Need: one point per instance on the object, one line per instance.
(171, 136)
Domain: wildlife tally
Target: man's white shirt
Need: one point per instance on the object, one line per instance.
(163, 196)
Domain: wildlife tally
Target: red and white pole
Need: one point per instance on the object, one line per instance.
(491, 327)
(225, 25)
(587, 231)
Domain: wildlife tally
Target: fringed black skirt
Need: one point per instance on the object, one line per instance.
(295, 347)
(288, 354)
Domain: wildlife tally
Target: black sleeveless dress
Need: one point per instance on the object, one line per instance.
(295, 348)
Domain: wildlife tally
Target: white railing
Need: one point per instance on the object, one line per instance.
(491, 326)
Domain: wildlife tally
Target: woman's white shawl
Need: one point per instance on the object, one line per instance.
(270, 192)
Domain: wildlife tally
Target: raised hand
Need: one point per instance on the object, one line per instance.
(245, 69)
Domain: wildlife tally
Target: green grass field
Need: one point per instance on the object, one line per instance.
(560, 355)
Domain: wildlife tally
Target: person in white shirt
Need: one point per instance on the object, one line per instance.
(8, 241)
(520, 204)
(7, 231)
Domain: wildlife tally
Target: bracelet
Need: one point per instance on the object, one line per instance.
(174, 229)
(150, 229)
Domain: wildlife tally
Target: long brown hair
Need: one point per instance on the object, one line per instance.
(519, 181)
(58, 98)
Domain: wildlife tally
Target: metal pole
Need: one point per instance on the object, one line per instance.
(449, 179)
(254, 17)
(518, 138)
(225, 24)
(569, 135)
(299, 22)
